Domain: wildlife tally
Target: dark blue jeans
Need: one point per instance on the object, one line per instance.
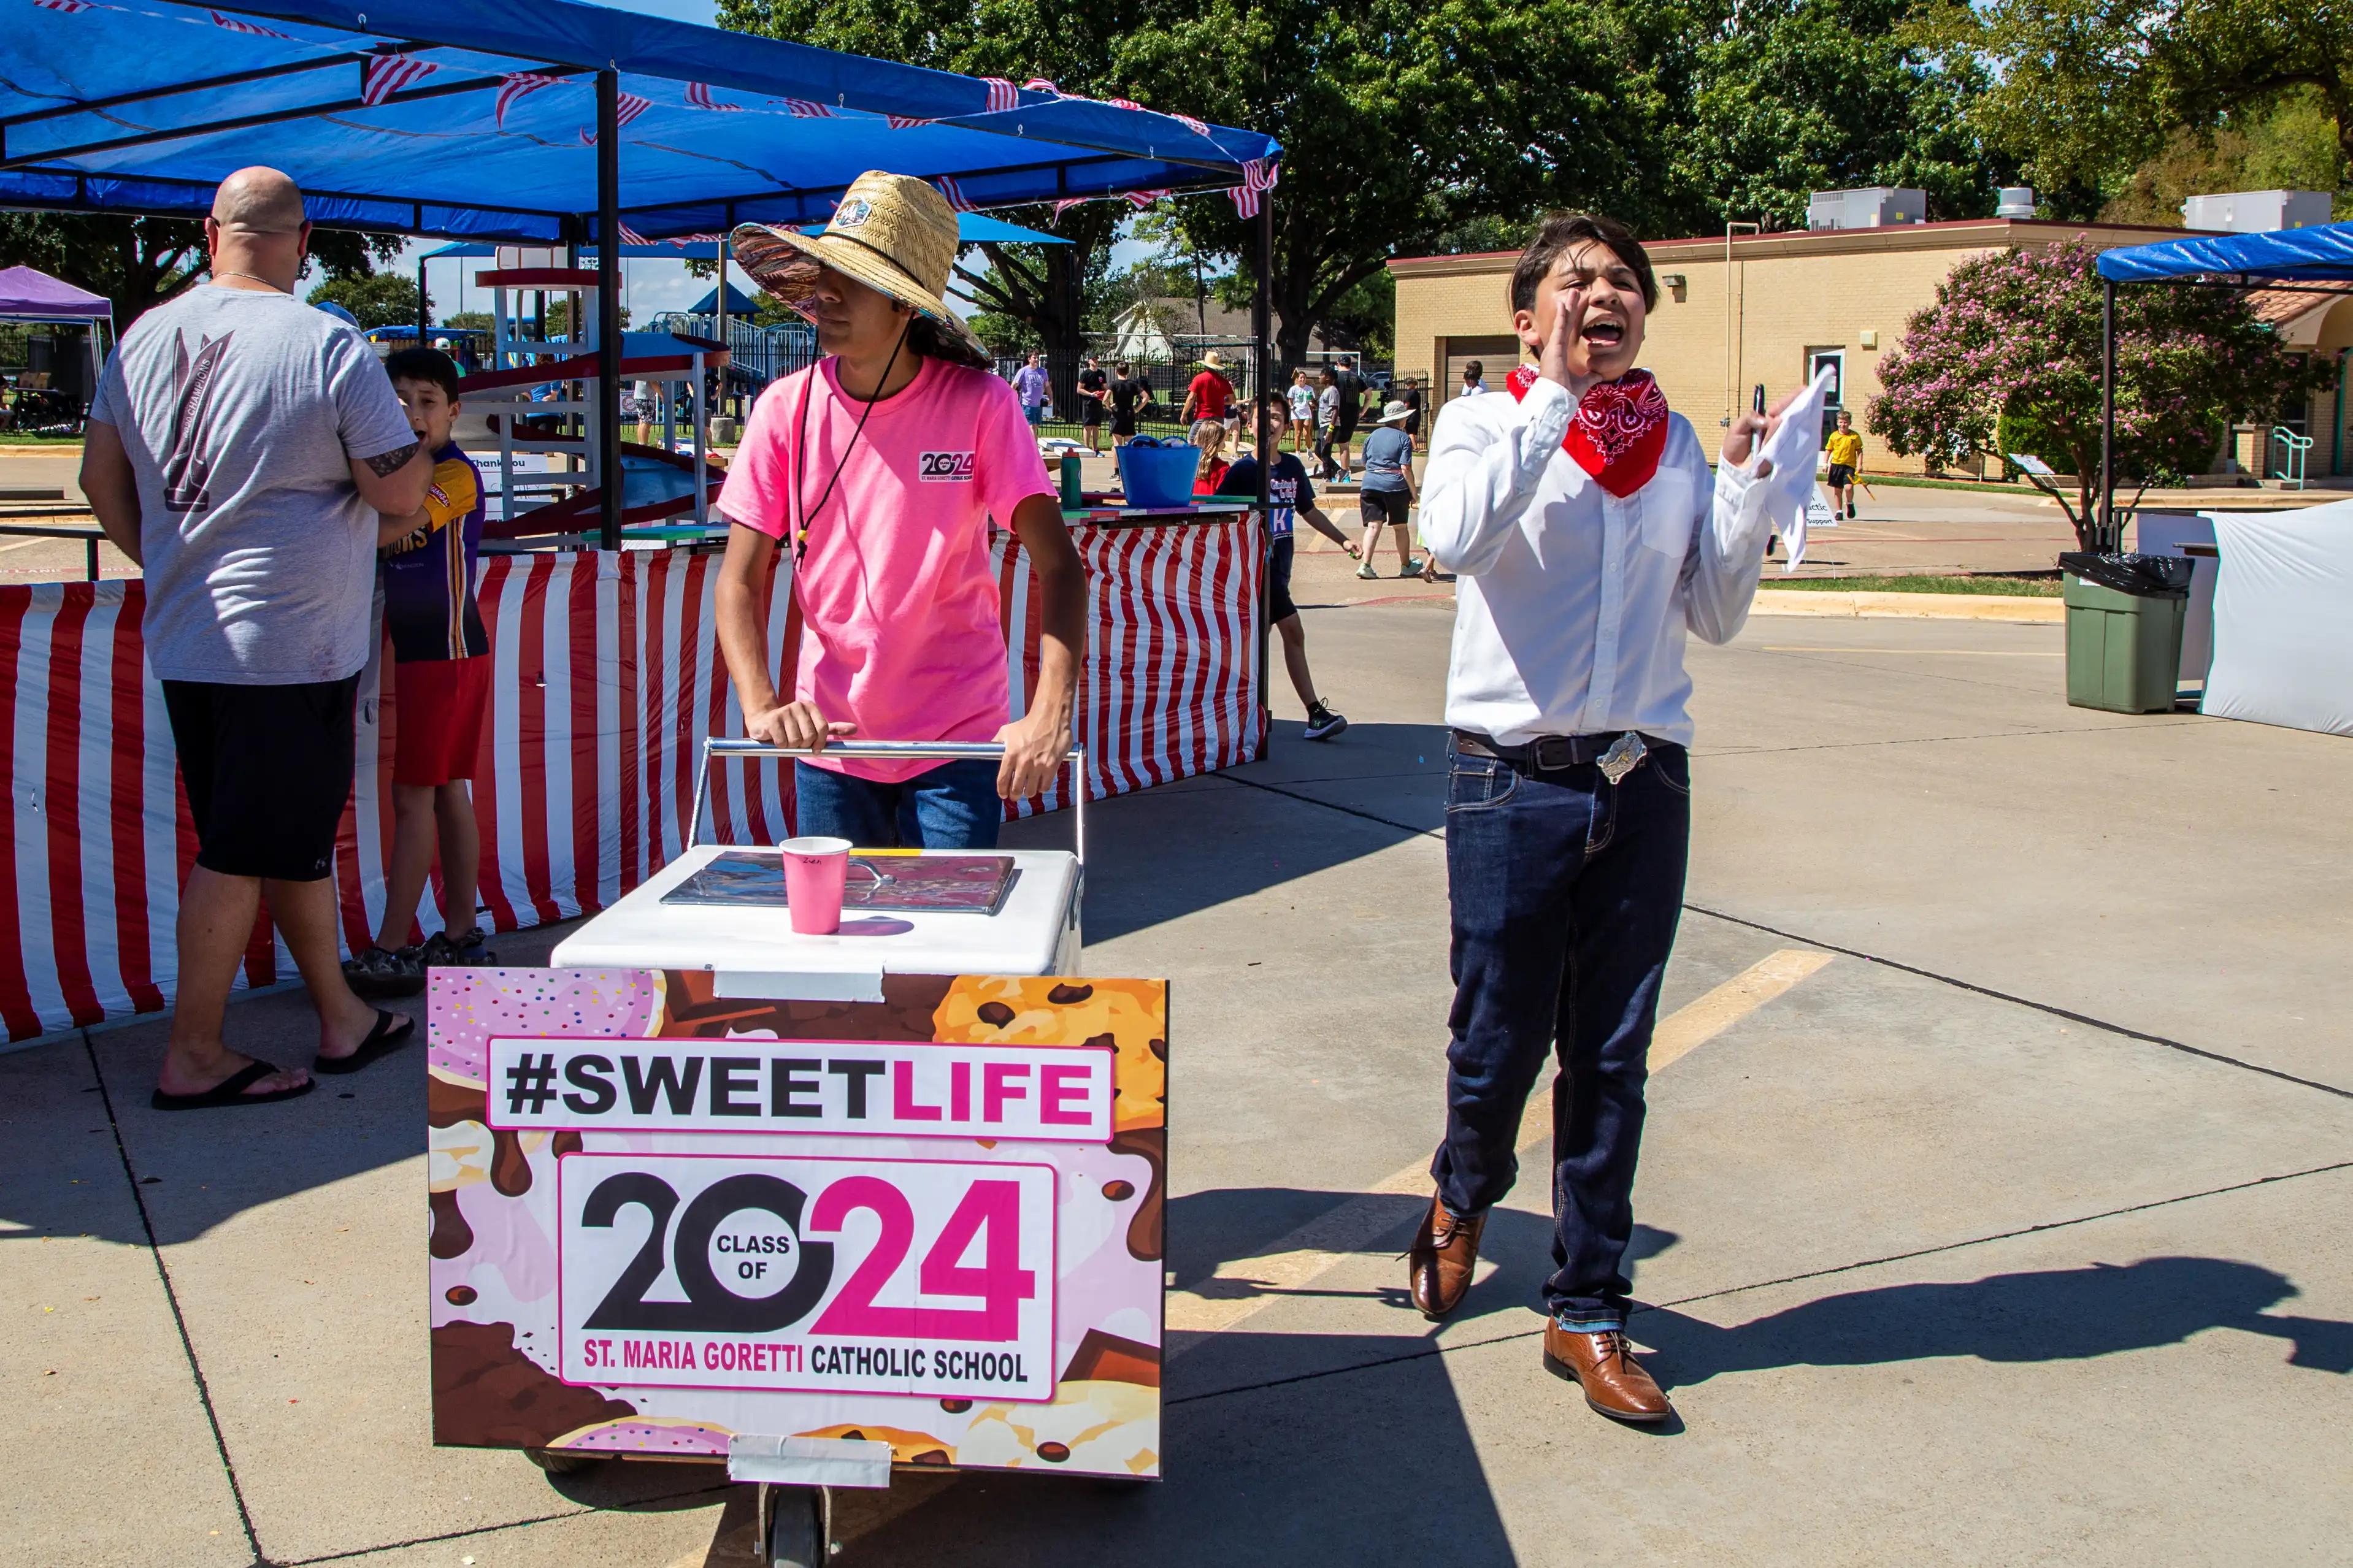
(952, 807)
(1566, 891)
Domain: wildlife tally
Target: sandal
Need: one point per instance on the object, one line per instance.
(231, 1089)
(391, 1032)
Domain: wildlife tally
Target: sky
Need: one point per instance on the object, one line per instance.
(648, 288)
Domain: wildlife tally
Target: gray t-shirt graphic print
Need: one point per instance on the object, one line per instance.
(240, 411)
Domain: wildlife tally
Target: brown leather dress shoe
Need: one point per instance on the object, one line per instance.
(1438, 1265)
(1614, 1382)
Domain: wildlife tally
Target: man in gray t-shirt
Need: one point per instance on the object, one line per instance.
(241, 448)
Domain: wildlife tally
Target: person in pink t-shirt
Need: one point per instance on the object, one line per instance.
(882, 469)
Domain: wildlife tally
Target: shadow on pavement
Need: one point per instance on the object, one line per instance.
(1351, 1470)
(1171, 852)
(2059, 1314)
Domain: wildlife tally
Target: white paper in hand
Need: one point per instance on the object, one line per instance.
(1788, 491)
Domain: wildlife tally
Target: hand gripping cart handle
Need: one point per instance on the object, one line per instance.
(722, 748)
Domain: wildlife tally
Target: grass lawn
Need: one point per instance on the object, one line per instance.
(1925, 583)
(25, 438)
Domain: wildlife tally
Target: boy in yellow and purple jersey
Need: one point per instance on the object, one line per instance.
(441, 687)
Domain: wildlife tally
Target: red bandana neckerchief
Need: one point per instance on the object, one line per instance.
(1620, 431)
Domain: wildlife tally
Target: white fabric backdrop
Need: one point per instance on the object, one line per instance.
(2284, 618)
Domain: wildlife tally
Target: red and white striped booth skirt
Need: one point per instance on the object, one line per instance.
(606, 680)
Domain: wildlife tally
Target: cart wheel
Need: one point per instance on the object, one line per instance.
(795, 1528)
(563, 1461)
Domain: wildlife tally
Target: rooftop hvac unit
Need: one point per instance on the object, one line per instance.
(1874, 208)
(2014, 202)
(2256, 212)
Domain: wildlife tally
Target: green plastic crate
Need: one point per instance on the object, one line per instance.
(2124, 650)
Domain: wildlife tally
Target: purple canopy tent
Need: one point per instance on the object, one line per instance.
(29, 294)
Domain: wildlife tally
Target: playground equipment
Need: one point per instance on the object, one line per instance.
(541, 403)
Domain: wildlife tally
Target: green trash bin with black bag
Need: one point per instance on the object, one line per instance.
(2125, 615)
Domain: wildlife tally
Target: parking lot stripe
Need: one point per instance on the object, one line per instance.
(1244, 1286)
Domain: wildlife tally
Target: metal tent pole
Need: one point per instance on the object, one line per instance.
(1262, 315)
(608, 303)
(2108, 537)
(422, 312)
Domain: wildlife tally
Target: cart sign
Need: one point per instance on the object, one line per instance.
(662, 1218)
(849, 1276)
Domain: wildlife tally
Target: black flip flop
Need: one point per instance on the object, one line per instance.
(230, 1091)
(382, 1039)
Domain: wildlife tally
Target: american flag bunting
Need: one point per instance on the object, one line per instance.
(808, 108)
(1002, 95)
(957, 201)
(382, 75)
(514, 87)
(259, 31)
(905, 122)
(697, 96)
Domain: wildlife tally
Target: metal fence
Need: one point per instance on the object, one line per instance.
(756, 355)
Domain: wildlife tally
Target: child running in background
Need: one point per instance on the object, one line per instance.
(1844, 450)
(1210, 435)
(441, 686)
(1303, 412)
(1290, 496)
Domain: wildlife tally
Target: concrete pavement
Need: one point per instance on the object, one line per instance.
(2009, 1233)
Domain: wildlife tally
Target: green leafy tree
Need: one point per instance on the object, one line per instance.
(1796, 96)
(1403, 121)
(140, 262)
(377, 299)
(2083, 92)
(2291, 145)
(2012, 344)
(1044, 288)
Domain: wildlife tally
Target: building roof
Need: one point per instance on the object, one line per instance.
(1960, 234)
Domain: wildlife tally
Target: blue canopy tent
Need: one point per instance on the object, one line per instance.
(541, 121)
(972, 228)
(2317, 261)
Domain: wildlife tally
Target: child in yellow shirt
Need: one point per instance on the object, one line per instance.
(1845, 450)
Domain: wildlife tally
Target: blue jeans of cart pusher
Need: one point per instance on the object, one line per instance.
(1566, 890)
(952, 807)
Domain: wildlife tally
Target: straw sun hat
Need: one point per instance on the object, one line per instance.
(893, 233)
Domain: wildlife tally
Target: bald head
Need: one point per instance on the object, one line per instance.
(256, 230)
(258, 201)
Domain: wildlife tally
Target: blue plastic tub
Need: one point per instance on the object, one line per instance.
(1158, 473)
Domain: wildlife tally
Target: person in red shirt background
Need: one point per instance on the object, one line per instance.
(1211, 395)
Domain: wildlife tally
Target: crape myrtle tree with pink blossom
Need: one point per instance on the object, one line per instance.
(2013, 345)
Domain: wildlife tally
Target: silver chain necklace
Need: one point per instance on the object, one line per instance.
(249, 277)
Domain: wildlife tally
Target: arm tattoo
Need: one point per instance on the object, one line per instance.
(388, 464)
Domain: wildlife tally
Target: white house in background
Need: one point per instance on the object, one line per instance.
(1170, 328)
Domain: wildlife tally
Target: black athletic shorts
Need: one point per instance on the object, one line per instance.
(1278, 582)
(1376, 507)
(267, 769)
(1841, 475)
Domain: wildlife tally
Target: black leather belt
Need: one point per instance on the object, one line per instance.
(1546, 754)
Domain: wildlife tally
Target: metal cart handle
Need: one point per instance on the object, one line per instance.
(720, 746)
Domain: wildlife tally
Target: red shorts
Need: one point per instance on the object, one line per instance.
(438, 704)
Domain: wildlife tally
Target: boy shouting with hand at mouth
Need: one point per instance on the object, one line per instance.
(1589, 539)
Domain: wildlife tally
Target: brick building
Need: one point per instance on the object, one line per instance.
(1781, 305)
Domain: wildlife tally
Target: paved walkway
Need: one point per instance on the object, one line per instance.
(1991, 1208)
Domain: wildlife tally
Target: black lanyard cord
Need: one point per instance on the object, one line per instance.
(800, 443)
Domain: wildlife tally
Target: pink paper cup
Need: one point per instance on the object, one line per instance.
(816, 871)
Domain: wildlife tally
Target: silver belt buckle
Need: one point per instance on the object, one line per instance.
(1624, 755)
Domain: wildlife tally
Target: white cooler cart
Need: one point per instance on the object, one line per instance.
(753, 951)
